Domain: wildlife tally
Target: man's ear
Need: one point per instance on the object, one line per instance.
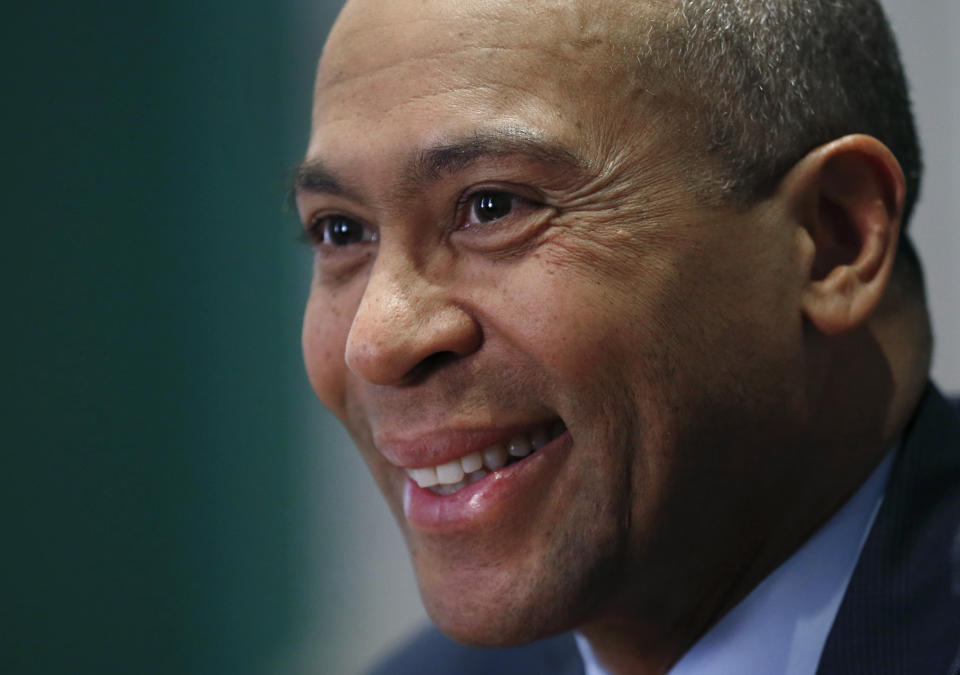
(848, 196)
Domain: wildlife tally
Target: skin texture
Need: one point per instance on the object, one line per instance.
(697, 352)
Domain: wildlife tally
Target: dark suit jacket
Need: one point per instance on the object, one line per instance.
(901, 611)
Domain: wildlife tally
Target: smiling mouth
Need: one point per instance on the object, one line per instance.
(450, 477)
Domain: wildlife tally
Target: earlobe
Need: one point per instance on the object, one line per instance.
(852, 194)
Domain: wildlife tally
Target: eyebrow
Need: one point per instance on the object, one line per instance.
(313, 176)
(432, 163)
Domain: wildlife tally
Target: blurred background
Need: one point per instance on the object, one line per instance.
(174, 500)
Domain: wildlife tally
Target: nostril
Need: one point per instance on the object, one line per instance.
(430, 365)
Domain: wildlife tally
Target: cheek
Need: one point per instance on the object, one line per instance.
(574, 318)
(324, 338)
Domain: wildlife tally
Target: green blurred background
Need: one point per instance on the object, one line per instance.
(153, 515)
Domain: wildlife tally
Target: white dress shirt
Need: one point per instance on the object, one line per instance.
(780, 628)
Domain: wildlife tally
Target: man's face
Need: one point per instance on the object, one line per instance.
(513, 248)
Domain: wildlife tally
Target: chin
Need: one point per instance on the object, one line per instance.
(490, 608)
(511, 626)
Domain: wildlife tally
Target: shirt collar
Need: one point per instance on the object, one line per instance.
(780, 628)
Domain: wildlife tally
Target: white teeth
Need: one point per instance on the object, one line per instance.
(451, 472)
(539, 438)
(519, 446)
(470, 478)
(495, 457)
(456, 474)
(425, 477)
(472, 462)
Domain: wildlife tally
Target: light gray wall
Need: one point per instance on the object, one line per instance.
(364, 597)
(928, 42)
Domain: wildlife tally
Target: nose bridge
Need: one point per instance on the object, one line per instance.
(402, 320)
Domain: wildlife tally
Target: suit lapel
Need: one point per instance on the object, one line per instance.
(901, 612)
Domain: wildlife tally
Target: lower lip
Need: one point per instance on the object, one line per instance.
(482, 502)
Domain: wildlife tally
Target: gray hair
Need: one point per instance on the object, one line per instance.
(770, 80)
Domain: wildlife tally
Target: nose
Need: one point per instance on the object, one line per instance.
(406, 327)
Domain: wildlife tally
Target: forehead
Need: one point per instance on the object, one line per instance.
(372, 36)
(434, 64)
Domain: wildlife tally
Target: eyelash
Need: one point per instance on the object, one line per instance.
(317, 231)
(467, 204)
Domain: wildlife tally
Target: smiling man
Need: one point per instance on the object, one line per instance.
(614, 300)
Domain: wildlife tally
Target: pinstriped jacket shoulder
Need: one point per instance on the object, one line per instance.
(901, 612)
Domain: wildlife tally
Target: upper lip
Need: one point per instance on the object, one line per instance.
(444, 445)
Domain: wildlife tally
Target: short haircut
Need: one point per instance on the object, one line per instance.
(770, 80)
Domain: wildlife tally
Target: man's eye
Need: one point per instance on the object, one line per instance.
(489, 206)
(339, 231)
